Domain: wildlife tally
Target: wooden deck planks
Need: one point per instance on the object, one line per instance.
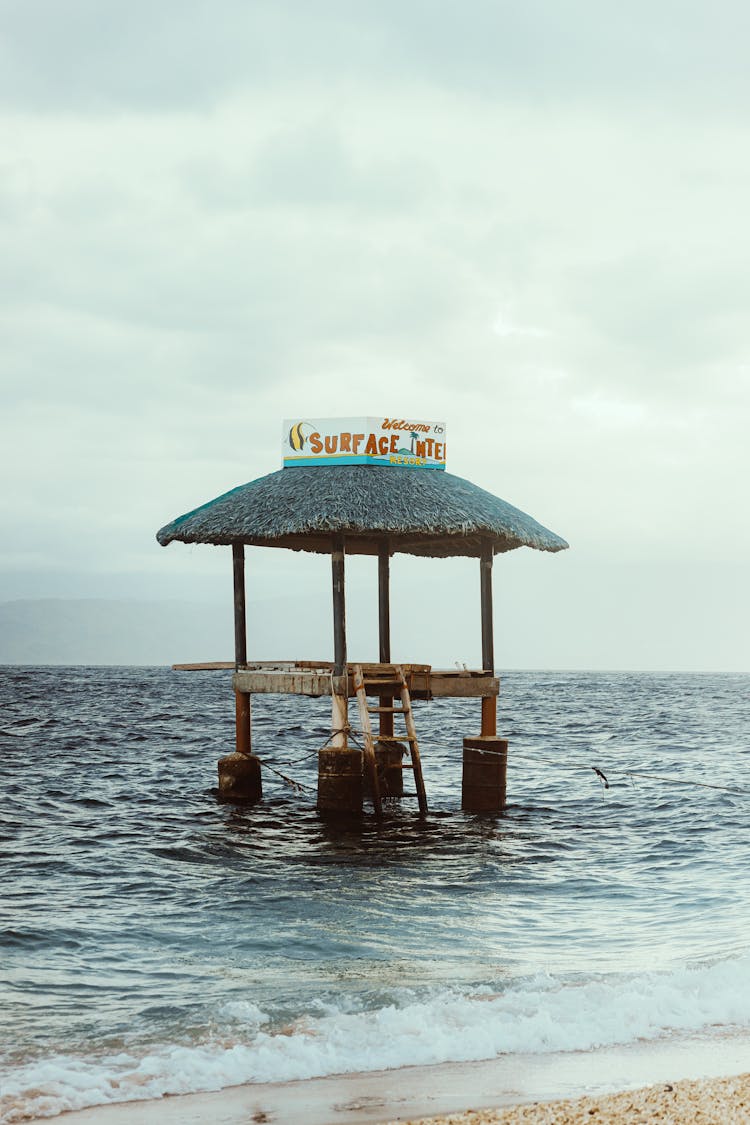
(291, 680)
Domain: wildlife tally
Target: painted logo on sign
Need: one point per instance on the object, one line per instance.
(297, 435)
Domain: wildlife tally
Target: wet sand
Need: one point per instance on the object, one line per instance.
(456, 1091)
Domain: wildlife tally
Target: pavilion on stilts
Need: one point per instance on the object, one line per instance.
(353, 487)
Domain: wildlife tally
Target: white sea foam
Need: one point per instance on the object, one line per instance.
(243, 1010)
(540, 1015)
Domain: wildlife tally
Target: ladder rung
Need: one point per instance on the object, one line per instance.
(389, 682)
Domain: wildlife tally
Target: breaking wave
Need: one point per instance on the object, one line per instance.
(538, 1015)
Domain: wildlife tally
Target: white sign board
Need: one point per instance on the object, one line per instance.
(364, 441)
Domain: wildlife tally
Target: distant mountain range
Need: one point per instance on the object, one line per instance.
(163, 632)
(545, 617)
(97, 631)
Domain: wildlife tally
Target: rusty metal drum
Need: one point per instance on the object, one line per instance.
(389, 756)
(339, 780)
(239, 778)
(483, 787)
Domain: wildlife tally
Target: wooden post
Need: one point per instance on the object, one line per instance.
(339, 767)
(340, 709)
(485, 759)
(239, 773)
(384, 603)
(339, 606)
(489, 716)
(339, 720)
(384, 630)
(240, 621)
(485, 574)
(489, 703)
(242, 699)
(242, 728)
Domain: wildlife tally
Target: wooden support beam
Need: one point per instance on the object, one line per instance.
(489, 716)
(339, 606)
(384, 603)
(489, 705)
(339, 721)
(240, 620)
(385, 724)
(340, 688)
(242, 702)
(243, 736)
(485, 576)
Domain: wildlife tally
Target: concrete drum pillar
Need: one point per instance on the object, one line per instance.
(239, 777)
(485, 767)
(389, 757)
(339, 780)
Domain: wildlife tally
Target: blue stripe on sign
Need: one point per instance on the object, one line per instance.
(345, 459)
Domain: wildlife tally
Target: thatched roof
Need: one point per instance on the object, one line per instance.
(419, 512)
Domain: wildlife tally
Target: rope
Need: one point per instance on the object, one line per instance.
(299, 786)
(686, 781)
(634, 773)
(347, 731)
(616, 771)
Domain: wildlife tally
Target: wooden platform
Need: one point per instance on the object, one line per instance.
(316, 678)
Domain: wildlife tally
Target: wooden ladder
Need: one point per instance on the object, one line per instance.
(387, 678)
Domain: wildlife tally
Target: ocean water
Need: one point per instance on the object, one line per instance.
(155, 940)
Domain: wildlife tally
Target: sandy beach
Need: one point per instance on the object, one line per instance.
(669, 1081)
(719, 1101)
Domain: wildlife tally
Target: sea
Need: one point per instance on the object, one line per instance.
(157, 940)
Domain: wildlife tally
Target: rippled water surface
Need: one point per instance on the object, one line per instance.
(154, 939)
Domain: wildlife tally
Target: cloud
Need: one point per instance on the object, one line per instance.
(523, 220)
(82, 56)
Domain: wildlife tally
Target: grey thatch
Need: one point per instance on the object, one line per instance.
(418, 511)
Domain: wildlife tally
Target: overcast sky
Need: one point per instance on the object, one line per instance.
(528, 220)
